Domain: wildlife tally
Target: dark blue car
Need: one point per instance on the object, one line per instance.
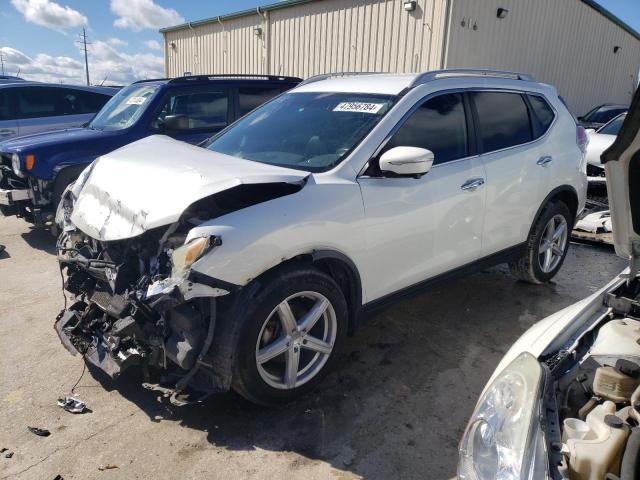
(36, 169)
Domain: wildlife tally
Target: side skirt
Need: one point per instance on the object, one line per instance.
(503, 256)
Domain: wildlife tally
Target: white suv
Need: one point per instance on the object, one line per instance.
(245, 263)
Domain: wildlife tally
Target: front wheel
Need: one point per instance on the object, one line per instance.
(547, 245)
(291, 336)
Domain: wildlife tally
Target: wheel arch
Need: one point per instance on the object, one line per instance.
(564, 193)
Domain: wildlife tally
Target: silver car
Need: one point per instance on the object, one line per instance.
(31, 107)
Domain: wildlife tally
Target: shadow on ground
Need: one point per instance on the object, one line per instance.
(407, 383)
(40, 238)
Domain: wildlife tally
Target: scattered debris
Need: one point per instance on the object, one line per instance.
(108, 466)
(72, 404)
(41, 432)
(58, 477)
(597, 222)
(9, 455)
(2, 450)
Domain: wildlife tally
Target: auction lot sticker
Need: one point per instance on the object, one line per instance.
(361, 107)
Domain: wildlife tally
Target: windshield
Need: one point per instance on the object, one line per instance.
(603, 114)
(124, 108)
(613, 127)
(306, 131)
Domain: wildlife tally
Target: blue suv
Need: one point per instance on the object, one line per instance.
(36, 169)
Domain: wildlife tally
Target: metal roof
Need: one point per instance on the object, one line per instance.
(288, 3)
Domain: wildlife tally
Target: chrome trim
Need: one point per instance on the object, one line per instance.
(545, 160)
(472, 184)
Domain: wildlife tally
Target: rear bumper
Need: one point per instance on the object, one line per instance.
(11, 197)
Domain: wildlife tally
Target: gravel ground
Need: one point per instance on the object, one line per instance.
(396, 408)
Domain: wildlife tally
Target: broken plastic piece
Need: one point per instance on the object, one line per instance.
(9, 455)
(108, 466)
(72, 404)
(41, 432)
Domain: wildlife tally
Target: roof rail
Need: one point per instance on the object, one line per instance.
(468, 72)
(150, 80)
(324, 76)
(204, 78)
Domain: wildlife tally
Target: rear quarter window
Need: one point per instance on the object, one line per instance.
(542, 111)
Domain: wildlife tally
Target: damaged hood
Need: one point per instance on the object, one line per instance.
(149, 183)
(622, 171)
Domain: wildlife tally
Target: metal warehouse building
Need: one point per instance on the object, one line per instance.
(576, 45)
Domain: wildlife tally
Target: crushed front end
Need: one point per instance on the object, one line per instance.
(138, 303)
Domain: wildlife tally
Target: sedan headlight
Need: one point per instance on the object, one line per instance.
(503, 436)
(184, 256)
(15, 164)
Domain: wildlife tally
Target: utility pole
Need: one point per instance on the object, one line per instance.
(83, 41)
(2, 61)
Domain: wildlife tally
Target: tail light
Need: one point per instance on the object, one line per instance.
(582, 139)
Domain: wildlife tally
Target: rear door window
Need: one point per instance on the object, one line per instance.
(204, 109)
(38, 102)
(503, 119)
(439, 125)
(250, 98)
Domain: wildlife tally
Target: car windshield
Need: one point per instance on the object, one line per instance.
(124, 108)
(306, 131)
(602, 114)
(613, 127)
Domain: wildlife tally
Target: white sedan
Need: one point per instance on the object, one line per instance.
(599, 141)
(564, 402)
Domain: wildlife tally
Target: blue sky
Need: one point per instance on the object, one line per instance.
(38, 36)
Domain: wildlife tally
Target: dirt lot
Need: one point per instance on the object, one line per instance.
(396, 409)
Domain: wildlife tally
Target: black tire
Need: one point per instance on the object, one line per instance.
(277, 287)
(527, 268)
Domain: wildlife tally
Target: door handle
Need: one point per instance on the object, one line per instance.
(545, 160)
(472, 184)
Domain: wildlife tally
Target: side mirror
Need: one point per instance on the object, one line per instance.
(175, 123)
(407, 161)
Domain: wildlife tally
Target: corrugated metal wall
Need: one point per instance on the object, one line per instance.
(369, 36)
(229, 46)
(562, 42)
(316, 37)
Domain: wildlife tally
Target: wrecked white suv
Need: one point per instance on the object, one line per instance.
(564, 403)
(244, 263)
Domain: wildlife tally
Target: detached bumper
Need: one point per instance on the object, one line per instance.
(10, 197)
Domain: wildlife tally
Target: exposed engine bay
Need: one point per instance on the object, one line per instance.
(594, 397)
(138, 302)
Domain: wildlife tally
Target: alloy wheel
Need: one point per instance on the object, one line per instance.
(296, 340)
(553, 243)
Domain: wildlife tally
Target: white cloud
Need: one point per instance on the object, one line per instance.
(117, 42)
(104, 62)
(50, 14)
(140, 14)
(153, 44)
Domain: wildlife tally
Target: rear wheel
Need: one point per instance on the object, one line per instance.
(547, 245)
(291, 336)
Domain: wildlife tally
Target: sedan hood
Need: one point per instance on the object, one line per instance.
(149, 183)
(622, 170)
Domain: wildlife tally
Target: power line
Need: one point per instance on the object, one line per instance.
(83, 41)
